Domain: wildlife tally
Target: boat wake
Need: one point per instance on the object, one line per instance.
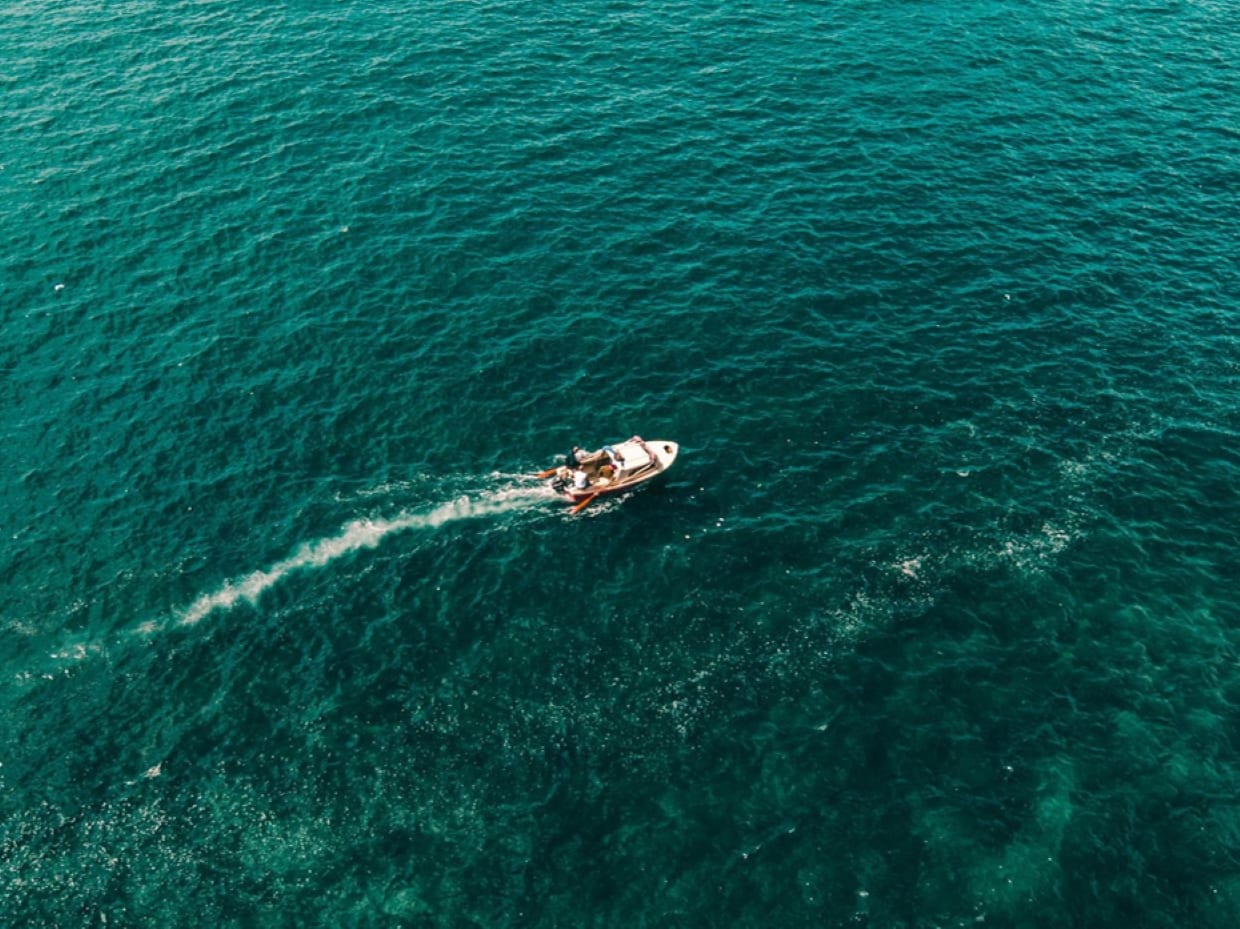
(357, 535)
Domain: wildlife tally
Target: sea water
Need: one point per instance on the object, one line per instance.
(933, 624)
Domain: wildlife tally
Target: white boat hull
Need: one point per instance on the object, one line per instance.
(616, 468)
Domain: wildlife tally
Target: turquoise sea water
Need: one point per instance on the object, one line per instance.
(934, 624)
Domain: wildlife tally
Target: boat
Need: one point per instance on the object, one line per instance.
(612, 469)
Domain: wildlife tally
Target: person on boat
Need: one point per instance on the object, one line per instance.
(574, 458)
(590, 460)
(580, 479)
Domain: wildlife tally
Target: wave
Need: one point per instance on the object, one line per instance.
(355, 536)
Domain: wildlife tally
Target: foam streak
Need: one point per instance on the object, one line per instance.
(356, 535)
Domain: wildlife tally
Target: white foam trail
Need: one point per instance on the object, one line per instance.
(357, 535)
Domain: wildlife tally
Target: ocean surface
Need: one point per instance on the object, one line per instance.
(936, 621)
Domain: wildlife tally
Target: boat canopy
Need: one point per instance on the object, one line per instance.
(635, 455)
